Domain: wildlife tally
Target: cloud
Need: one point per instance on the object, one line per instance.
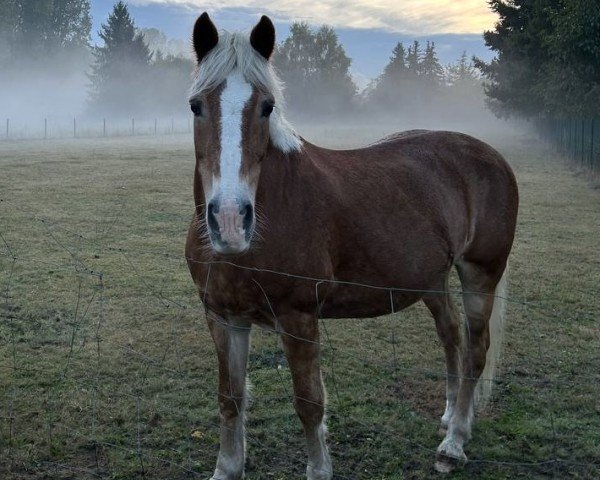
(415, 17)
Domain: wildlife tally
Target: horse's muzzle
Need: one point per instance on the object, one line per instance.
(230, 225)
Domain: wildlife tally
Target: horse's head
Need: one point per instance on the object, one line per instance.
(236, 101)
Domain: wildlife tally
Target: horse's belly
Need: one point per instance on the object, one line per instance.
(365, 302)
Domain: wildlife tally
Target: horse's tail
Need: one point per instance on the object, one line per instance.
(486, 381)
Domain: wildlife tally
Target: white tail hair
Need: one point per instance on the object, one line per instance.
(485, 385)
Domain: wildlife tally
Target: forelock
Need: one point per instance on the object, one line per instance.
(234, 54)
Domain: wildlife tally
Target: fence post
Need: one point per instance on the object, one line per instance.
(7, 123)
(132, 127)
(155, 125)
(45, 128)
(74, 127)
(189, 130)
(582, 143)
(592, 163)
(104, 127)
(172, 126)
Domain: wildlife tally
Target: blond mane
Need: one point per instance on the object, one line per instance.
(234, 54)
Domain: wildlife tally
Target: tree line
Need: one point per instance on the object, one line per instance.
(141, 71)
(547, 60)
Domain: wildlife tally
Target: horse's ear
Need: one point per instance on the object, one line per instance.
(205, 36)
(262, 37)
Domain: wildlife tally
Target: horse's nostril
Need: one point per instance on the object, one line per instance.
(210, 217)
(248, 213)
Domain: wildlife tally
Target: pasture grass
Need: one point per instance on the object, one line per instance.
(107, 369)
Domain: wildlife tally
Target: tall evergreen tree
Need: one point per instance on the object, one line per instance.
(520, 40)
(430, 70)
(396, 67)
(571, 81)
(462, 74)
(413, 59)
(120, 67)
(391, 86)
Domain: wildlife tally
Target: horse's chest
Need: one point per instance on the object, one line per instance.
(233, 295)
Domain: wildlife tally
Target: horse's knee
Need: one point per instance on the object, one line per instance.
(310, 409)
(230, 408)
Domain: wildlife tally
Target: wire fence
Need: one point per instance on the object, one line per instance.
(151, 422)
(578, 139)
(86, 127)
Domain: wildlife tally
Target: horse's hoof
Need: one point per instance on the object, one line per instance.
(319, 474)
(449, 457)
(442, 431)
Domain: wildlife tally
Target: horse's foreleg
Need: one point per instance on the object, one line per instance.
(301, 344)
(231, 338)
(447, 325)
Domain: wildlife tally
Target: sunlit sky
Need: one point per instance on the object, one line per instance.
(368, 30)
(417, 17)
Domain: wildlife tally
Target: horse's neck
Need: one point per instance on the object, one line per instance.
(285, 173)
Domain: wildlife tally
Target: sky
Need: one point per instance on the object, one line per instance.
(369, 30)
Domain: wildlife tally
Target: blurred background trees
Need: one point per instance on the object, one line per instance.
(315, 70)
(41, 31)
(547, 64)
(120, 66)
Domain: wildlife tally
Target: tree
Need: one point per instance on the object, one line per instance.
(396, 68)
(413, 60)
(390, 88)
(430, 70)
(315, 69)
(42, 30)
(158, 41)
(462, 75)
(572, 79)
(9, 21)
(520, 40)
(332, 73)
(120, 67)
(169, 83)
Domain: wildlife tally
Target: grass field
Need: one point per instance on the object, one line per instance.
(107, 369)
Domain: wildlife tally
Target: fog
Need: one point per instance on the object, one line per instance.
(82, 91)
(54, 102)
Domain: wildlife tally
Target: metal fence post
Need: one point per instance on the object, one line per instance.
(104, 127)
(45, 128)
(7, 123)
(133, 127)
(592, 162)
(172, 126)
(74, 127)
(155, 126)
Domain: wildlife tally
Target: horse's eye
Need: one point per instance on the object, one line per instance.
(267, 109)
(196, 108)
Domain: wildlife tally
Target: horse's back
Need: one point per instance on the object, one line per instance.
(427, 197)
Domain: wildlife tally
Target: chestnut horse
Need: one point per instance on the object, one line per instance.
(285, 231)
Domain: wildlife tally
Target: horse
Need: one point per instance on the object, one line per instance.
(285, 232)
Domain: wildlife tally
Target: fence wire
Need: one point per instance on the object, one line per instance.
(117, 428)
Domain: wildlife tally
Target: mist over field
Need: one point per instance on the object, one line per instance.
(55, 83)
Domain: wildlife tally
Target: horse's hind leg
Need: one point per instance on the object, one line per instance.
(302, 348)
(479, 284)
(231, 338)
(447, 325)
